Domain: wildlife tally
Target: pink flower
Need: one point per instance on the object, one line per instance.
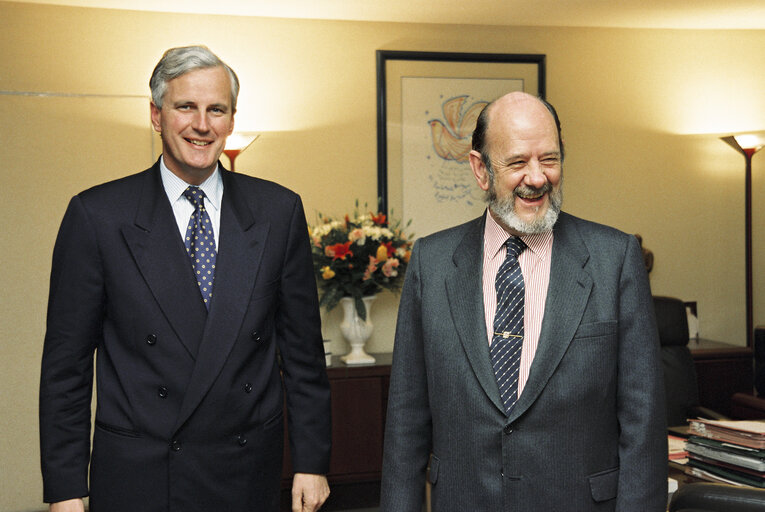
(389, 268)
(358, 236)
(371, 268)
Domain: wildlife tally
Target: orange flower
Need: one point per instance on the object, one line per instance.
(378, 219)
(327, 273)
(338, 251)
(385, 251)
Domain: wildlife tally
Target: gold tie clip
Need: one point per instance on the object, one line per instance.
(506, 334)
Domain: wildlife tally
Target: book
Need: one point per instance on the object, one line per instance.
(725, 474)
(677, 450)
(742, 456)
(726, 465)
(744, 433)
(705, 475)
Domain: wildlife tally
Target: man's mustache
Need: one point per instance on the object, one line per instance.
(526, 191)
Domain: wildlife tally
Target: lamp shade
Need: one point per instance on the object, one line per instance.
(746, 143)
(238, 142)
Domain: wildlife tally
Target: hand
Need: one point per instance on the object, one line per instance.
(309, 492)
(75, 505)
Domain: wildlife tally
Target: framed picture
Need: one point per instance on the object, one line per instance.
(427, 106)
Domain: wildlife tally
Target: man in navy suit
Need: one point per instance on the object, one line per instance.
(189, 370)
(580, 425)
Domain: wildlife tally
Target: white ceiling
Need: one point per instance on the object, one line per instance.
(702, 14)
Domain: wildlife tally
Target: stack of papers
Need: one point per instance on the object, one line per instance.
(677, 451)
(745, 433)
(727, 451)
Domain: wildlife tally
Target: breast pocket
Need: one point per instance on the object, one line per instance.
(609, 328)
(591, 357)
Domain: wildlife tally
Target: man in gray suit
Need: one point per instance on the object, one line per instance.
(578, 424)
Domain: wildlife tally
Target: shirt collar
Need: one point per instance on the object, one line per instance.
(495, 236)
(174, 186)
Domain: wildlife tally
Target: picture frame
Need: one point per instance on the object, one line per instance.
(427, 104)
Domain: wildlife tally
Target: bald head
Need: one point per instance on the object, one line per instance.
(510, 108)
(517, 160)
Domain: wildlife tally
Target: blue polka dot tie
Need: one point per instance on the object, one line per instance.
(507, 341)
(200, 243)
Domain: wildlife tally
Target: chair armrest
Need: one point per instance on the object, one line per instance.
(717, 498)
(747, 407)
(697, 411)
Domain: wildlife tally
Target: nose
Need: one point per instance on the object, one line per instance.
(535, 177)
(200, 122)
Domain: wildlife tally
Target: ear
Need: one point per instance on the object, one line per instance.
(480, 172)
(230, 126)
(156, 117)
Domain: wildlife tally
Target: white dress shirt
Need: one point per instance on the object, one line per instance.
(182, 207)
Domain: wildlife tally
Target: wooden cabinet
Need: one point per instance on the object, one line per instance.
(722, 370)
(359, 404)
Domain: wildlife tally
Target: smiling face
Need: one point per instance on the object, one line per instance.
(194, 121)
(524, 189)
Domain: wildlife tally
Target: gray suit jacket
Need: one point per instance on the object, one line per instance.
(588, 431)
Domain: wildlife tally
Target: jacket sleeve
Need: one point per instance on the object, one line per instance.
(640, 393)
(73, 331)
(408, 434)
(300, 344)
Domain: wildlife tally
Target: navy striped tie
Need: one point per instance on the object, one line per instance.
(200, 243)
(507, 340)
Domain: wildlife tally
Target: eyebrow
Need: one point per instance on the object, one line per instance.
(222, 106)
(525, 156)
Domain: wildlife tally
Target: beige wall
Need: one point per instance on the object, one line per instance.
(637, 107)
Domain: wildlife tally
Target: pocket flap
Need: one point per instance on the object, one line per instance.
(604, 485)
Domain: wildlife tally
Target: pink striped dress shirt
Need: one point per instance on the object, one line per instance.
(535, 267)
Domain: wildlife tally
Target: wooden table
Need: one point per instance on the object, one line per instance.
(359, 406)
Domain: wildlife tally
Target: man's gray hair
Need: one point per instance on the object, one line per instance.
(179, 61)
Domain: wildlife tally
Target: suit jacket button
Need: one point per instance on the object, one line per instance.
(255, 336)
(162, 391)
(151, 339)
(241, 440)
(508, 429)
(175, 445)
(248, 388)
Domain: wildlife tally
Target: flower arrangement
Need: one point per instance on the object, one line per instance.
(358, 256)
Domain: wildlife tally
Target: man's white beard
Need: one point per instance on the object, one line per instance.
(505, 209)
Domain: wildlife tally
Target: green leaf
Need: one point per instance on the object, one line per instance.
(361, 308)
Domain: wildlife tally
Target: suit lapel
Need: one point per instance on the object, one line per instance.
(464, 290)
(242, 242)
(567, 295)
(157, 248)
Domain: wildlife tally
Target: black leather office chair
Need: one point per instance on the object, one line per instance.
(709, 497)
(680, 382)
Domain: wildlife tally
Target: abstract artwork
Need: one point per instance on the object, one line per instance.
(430, 104)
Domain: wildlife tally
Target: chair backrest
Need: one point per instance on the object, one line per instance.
(680, 381)
(709, 497)
(759, 359)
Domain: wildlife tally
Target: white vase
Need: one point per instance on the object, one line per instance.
(356, 330)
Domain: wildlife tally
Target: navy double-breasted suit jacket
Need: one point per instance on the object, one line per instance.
(189, 403)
